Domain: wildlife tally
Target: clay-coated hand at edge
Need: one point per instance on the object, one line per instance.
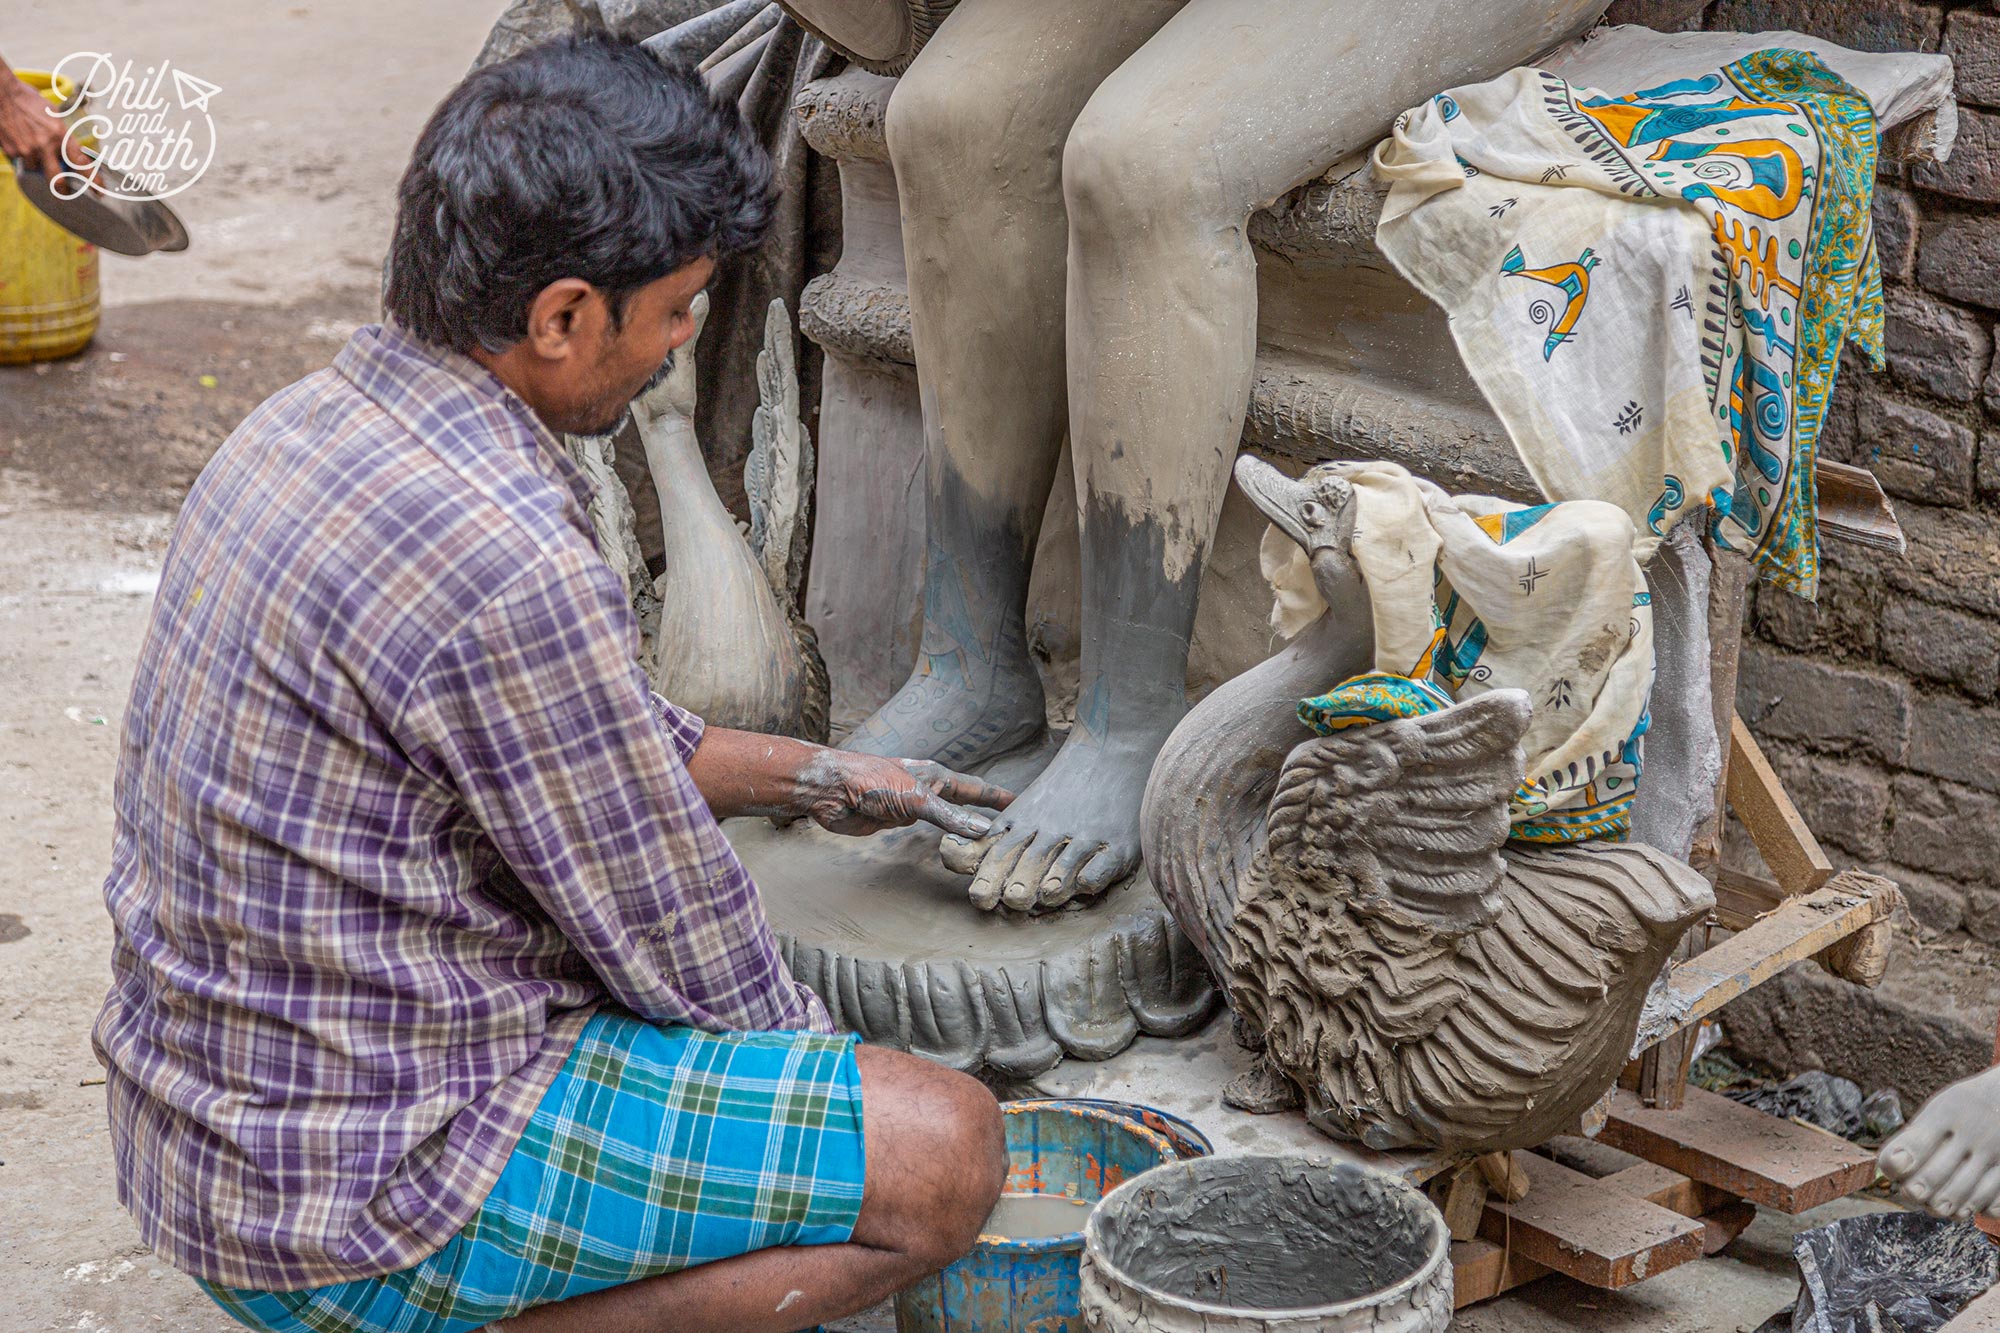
(859, 794)
(1948, 1157)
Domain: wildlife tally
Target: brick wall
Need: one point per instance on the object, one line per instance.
(1878, 706)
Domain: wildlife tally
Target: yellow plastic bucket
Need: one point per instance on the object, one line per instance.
(48, 278)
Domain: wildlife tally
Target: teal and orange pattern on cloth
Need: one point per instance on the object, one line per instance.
(1652, 287)
(1470, 594)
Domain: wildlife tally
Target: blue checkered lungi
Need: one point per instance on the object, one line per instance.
(654, 1150)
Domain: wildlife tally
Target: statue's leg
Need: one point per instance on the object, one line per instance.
(1229, 106)
(976, 129)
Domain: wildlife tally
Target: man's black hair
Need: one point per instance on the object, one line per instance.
(583, 157)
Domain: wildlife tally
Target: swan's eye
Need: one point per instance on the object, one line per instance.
(1309, 512)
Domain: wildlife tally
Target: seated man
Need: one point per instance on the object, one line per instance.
(438, 994)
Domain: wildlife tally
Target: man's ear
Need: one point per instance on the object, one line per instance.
(561, 312)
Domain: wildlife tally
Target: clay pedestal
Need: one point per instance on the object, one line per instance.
(884, 934)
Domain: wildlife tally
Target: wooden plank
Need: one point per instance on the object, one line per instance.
(1742, 898)
(1574, 1225)
(1668, 1188)
(1779, 1163)
(1853, 507)
(1481, 1270)
(1801, 928)
(1725, 1224)
(1759, 800)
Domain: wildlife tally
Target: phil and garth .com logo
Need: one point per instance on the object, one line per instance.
(136, 135)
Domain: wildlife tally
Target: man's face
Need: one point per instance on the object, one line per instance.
(589, 392)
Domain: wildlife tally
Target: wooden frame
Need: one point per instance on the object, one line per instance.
(1705, 1162)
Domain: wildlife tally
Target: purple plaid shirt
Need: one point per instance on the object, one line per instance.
(395, 813)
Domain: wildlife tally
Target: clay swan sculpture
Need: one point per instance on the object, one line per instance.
(1415, 978)
(731, 645)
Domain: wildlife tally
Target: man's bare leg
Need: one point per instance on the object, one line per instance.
(1220, 113)
(936, 1157)
(976, 130)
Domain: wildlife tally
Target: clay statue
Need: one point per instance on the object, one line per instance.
(1420, 981)
(731, 645)
(1948, 1157)
(1076, 183)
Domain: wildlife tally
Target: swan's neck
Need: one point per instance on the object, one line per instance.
(693, 518)
(1213, 779)
(725, 649)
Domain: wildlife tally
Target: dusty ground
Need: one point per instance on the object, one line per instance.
(319, 105)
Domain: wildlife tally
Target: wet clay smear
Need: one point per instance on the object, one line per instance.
(1037, 1216)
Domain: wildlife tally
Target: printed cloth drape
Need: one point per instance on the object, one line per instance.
(1472, 594)
(1652, 288)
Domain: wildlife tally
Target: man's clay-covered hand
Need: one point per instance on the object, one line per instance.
(862, 793)
(748, 773)
(1948, 1157)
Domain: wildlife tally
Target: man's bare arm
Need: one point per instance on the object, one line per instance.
(746, 773)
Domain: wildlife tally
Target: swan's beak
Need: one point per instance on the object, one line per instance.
(1282, 499)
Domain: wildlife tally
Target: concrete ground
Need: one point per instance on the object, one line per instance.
(319, 104)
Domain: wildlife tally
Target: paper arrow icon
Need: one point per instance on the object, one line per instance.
(194, 93)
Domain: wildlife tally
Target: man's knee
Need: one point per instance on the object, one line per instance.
(937, 1156)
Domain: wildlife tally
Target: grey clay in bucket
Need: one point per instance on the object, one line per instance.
(1291, 1244)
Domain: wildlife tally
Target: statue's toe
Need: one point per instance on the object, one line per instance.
(1112, 863)
(1060, 883)
(1932, 1176)
(1024, 879)
(989, 877)
(962, 856)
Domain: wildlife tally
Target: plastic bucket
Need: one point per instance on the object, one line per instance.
(48, 278)
(1078, 1149)
(1272, 1244)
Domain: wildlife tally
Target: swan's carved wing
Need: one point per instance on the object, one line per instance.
(778, 474)
(1405, 819)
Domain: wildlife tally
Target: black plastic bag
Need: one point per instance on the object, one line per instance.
(1887, 1273)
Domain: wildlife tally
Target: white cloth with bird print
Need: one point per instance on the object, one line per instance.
(1472, 594)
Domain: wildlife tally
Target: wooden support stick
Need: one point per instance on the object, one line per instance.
(1504, 1174)
(1852, 506)
(1463, 1201)
(1759, 800)
(1801, 928)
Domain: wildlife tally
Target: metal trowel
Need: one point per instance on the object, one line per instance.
(98, 214)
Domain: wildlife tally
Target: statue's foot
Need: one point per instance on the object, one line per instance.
(1948, 1157)
(1073, 832)
(955, 720)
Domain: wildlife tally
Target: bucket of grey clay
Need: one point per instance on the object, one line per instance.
(1265, 1245)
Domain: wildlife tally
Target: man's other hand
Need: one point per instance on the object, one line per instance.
(861, 794)
(27, 129)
